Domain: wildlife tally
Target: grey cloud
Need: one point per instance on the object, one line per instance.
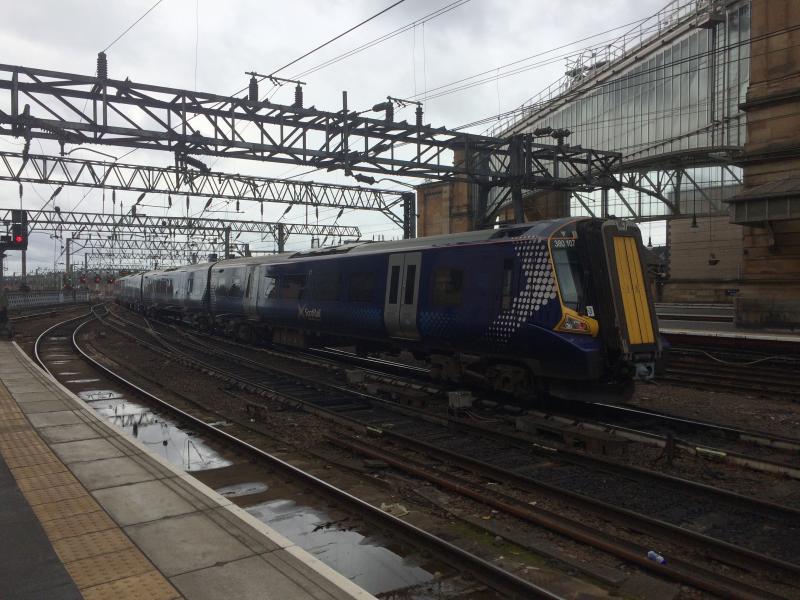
(263, 35)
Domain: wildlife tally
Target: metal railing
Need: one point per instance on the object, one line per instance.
(19, 300)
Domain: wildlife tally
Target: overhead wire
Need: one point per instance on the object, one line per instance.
(432, 15)
(196, 38)
(341, 35)
(383, 38)
(540, 54)
(132, 25)
(582, 90)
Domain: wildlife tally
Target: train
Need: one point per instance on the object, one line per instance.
(562, 303)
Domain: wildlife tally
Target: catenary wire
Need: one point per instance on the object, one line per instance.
(132, 25)
(341, 35)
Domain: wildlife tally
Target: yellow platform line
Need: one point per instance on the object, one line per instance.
(99, 557)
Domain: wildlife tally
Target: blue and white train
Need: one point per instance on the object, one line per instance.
(517, 309)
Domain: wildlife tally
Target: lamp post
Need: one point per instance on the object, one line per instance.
(409, 203)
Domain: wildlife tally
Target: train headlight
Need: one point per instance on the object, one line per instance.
(572, 322)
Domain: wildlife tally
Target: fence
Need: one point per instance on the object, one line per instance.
(20, 300)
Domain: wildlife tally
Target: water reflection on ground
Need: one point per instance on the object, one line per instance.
(363, 560)
(180, 447)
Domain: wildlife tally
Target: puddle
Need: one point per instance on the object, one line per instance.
(243, 489)
(180, 447)
(56, 338)
(81, 380)
(63, 362)
(365, 561)
(67, 373)
(91, 395)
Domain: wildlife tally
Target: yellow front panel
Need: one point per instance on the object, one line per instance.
(640, 292)
(634, 293)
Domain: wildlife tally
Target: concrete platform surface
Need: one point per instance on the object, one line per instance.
(725, 330)
(89, 513)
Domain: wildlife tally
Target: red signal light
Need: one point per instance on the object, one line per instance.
(18, 239)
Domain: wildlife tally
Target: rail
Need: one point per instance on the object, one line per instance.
(387, 419)
(460, 559)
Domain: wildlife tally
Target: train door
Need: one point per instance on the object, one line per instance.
(250, 299)
(402, 295)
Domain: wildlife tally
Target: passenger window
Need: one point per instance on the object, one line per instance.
(394, 284)
(293, 286)
(236, 288)
(270, 289)
(218, 283)
(447, 284)
(326, 285)
(508, 283)
(411, 275)
(362, 287)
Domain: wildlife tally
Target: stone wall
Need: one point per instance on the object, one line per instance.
(771, 253)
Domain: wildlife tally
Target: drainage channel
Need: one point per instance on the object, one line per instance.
(344, 542)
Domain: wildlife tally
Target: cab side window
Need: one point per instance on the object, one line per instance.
(220, 284)
(293, 286)
(235, 290)
(270, 287)
(447, 286)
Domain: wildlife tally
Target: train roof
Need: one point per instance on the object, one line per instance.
(536, 229)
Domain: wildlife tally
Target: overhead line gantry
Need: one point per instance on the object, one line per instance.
(181, 180)
(74, 222)
(50, 105)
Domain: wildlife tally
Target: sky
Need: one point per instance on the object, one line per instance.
(209, 45)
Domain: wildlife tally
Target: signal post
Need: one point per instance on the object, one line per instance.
(15, 237)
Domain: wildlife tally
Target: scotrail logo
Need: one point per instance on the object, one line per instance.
(313, 314)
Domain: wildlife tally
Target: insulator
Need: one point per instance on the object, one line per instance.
(237, 206)
(169, 201)
(187, 202)
(298, 96)
(102, 66)
(390, 112)
(252, 93)
(419, 116)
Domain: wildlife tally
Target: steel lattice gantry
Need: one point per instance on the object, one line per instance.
(115, 264)
(181, 180)
(134, 248)
(50, 104)
(76, 222)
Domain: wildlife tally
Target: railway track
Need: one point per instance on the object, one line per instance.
(756, 450)
(763, 372)
(723, 526)
(572, 421)
(708, 376)
(503, 582)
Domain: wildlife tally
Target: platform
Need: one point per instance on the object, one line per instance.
(89, 513)
(714, 321)
(725, 331)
